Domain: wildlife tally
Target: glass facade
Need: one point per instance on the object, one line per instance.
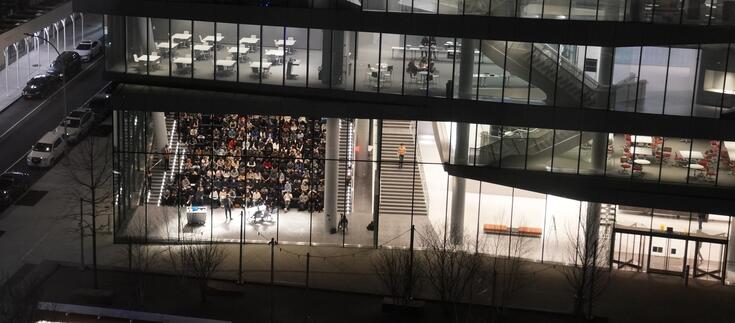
(234, 178)
(684, 80)
(707, 12)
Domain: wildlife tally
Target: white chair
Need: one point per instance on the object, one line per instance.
(135, 58)
(290, 38)
(219, 35)
(186, 32)
(252, 36)
(201, 39)
(275, 42)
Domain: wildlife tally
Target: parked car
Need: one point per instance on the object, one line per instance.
(47, 150)
(40, 86)
(101, 105)
(76, 124)
(88, 49)
(12, 186)
(68, 61)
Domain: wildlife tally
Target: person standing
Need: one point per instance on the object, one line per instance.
(401, 155)
(166, 156)
(226, 200)
(148, 179)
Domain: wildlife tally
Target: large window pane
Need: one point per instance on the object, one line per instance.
(161, 39)
(136, 44)
(249, 43)
(181, 48)
(203, 46)
(368, 68)
(227, 54)
(273, 55)
(296, 52)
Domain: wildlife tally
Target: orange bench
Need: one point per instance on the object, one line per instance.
(495, 228)
(529, 231)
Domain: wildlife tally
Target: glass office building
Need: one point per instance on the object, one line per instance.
(514, 134)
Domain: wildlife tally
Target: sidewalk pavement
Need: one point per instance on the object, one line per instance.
(42, 232)
(14, 77)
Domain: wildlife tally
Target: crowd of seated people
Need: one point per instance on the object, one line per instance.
(254, 160)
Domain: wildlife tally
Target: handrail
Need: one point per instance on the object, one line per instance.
(567, 65)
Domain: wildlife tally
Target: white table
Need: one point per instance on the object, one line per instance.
(181, 36)
(289, 42)
(694, 154)
(251, 41)
(730, 146)
(202, 48)
(243, 51)
(258, 64)
(274, 52)
(642, 140)
(201, 51)
(641, 151)
(182, 60)
(196, 214)
(211, 39)
(696, 167)
(149, 58)
(225, 64)
(642, 162)
(166, 45)
(482, 77)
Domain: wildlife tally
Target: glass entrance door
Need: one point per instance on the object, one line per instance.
(667, 256)
(706, 260)
(629, 251)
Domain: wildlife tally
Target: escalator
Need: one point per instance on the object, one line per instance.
(513, 144)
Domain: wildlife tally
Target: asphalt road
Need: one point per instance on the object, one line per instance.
(25, 121)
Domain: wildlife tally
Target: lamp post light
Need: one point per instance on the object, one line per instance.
(64, 75)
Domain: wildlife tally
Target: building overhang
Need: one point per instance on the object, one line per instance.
(693, 198)
(157, 93)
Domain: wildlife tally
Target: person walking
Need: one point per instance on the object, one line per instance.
(401, 155)
(226, 200)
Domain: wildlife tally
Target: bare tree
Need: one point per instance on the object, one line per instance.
(504, 269)
(450, 269)
(89, 172)
(398, 272)
(141, 258)
(198, 261)
(589, 272)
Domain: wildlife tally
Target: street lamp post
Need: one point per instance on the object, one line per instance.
(64, 75)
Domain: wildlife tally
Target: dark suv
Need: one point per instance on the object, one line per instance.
(40, 86)
(12, 186)
(67, 62)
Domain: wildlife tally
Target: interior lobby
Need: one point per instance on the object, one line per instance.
(382, 198)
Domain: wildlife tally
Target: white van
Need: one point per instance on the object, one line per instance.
(48, 150)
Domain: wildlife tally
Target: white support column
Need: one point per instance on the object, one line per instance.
(331, 173)
(461, 142)
(160, 138)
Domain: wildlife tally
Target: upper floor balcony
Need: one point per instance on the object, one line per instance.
(686, 12)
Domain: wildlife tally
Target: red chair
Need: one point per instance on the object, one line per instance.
(703, 162)
(624, 169)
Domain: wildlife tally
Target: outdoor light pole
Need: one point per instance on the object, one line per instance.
(63, 78)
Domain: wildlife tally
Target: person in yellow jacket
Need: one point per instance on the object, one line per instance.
(401, 155)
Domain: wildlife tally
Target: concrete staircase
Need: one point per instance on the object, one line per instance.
(346, 166)
(398, 186)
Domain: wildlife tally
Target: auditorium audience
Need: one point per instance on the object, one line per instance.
(263, 160)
